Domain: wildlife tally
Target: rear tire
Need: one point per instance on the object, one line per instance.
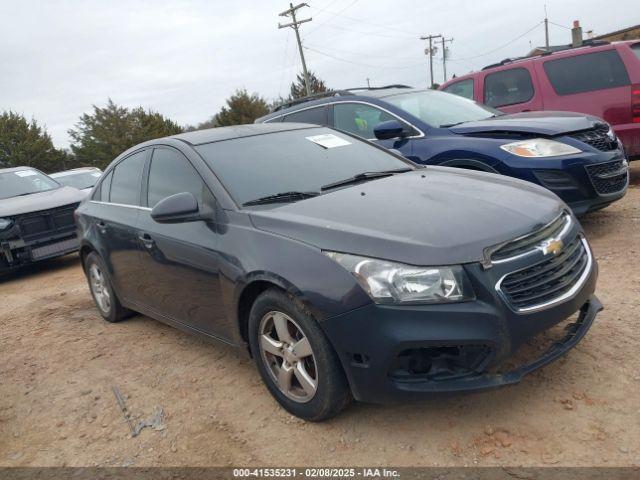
(295, 359)
(102, 290)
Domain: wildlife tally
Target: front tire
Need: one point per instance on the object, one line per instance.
(102, 290)
(295, 360)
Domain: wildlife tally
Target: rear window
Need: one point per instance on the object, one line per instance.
(463, 88)
(586, 73)
(311, 115)
(508, 87)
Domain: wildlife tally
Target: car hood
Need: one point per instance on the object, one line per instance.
(431, 216)
(539, 123)
(40, 201)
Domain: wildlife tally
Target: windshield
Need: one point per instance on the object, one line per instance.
(79, 180)
(24, 182)
(439, 109)
(292, 161)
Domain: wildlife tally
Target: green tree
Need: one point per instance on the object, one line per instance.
(102, 135)
(25, 143)
(241, 108)
(298, 89)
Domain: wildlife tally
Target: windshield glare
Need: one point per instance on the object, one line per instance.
(80, 180)
(262, 165)
(440, 109)
(24, 182)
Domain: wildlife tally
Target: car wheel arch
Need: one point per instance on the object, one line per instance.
(253, 288)
(470, 164)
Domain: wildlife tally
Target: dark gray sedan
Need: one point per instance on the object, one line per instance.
(36, 217)
(345, 271)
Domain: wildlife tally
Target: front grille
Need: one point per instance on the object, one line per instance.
(530, 241)
(548, 280)
(597, 137)
(46, 222)
(610, 177)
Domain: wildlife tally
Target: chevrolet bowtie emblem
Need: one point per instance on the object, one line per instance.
(551, 246)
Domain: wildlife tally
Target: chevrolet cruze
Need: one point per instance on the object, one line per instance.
(345, 271)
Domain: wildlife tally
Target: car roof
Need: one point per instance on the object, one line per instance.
(333, 96)
(15, 169)
(219, 134)
(72, 171)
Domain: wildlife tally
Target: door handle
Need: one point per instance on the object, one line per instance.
(147, 241)
(102, 227)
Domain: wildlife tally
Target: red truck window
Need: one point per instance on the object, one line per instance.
(586, 73)
(463, 88)
(508, 87)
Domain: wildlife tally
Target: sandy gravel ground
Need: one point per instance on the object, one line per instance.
(59, 361)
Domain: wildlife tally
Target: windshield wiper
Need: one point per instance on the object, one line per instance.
(280, 197)
(361, 177)
(449, 125)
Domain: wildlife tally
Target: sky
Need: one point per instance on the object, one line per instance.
(184, 58)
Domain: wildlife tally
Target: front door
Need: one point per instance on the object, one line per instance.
(181, 261)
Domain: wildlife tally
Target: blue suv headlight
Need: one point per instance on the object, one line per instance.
(539, 148)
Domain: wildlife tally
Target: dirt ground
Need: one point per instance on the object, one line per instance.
(59, 361)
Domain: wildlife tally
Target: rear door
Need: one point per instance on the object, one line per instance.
(360, 118)
(596, 83)
(181, 261)
(116, 207)
(511, 90)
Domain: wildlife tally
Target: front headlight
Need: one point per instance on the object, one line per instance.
(539, 147)
(5, 223)
(390, 282)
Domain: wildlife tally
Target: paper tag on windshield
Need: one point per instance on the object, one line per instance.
(328, 140)
(25, 173)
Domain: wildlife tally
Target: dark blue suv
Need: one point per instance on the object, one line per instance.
(576, 156)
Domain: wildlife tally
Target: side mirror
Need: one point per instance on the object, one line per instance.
(178, 208)
(388, 130)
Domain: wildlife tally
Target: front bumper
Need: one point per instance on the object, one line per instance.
(16, 251)
(582, 181)
(484, 334)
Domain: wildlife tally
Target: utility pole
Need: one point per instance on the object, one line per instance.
(546, 28)
(443, 42)
(368, 83)
(294, 24)
(430, 51)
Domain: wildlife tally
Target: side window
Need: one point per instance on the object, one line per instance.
(358, 118)
(586, 73)
(126, 180)
(636, 49)
(508, 87)
(463, 88)
(311, 115)
(171, 173)
(102, 191)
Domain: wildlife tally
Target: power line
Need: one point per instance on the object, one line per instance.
(373, 24)
(505, 45)
(359, 63)
(330, 18)
(375, 34)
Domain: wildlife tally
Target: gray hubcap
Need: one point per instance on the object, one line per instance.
(288, 356)
(99, 288)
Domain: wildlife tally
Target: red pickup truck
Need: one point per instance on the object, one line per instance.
(602, 79)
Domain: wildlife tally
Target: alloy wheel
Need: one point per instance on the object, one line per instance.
(288, 356)
(99, 288)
